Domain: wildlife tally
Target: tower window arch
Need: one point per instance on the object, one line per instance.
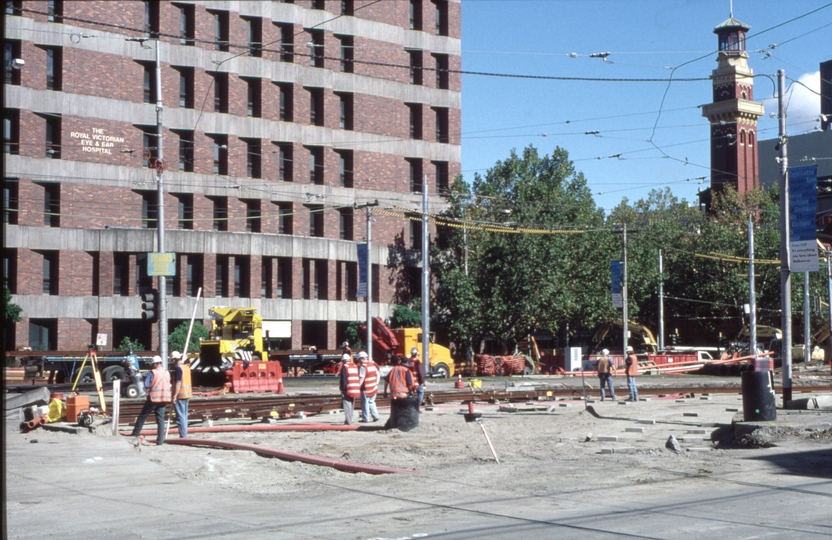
(742, 137)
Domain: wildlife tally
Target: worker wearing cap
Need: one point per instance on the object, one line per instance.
(157, 384)
(368, 376)
(605, 371)
(417, 371)
(349, 387)
(181, 391)
(632, 371)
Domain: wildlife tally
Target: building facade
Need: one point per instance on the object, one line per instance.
(278, 120)
(733, 113)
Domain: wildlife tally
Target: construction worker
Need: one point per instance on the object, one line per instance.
(401, 386)
(349, 387)
(157, 384)
(605, 370)
(631, 370)
(368, 375)
(417, 371)
(181, 391)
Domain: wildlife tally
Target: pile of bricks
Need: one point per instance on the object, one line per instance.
(492, 366)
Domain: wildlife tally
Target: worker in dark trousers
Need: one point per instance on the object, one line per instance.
(401, 385)
(181, 391)
(350, 388)
(605, 369)
(417, 371)
(157, 384)
(632, 372)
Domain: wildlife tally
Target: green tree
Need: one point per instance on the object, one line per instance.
(11, 309)
(353, 335)
(130, 344)
(176, 339)
(407, 317)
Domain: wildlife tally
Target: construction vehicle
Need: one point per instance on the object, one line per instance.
(68, 366)
(389, 344)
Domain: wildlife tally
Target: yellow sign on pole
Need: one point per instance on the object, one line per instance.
(161, 264)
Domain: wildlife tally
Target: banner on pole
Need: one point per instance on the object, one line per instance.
(615, 273)
(803, 202)
(362, 271)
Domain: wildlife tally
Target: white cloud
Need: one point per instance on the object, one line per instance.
(802, 104)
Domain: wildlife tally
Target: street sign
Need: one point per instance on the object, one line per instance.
(161, 264)
(615, 274)
(803, 248)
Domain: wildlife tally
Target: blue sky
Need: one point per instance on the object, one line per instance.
(644, 38)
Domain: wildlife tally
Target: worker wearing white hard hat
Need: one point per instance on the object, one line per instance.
(350, 388)
(417, 371)
(158, 397)
(368, 377)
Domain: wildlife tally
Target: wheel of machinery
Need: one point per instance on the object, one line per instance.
(115, 373)
(86, 376)
(84, 418)
(131, 391)
(441, 370)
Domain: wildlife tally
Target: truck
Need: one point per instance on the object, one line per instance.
(389, 343)
(65, 366)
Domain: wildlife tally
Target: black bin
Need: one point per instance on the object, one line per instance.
(758, 399)
(404, 414)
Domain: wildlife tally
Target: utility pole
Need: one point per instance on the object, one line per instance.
(160, 196)
(752, 297)
(829, 286)
(625, 324)
(661, 303)
(369, 266)
(425, 279)
(785, 273)
(807, 330)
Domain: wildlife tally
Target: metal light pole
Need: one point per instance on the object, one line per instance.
(369, 298)
(829, 286)
(425, 279)
(752, 296)
(807, 330)
(661, 303)
(625, 324)
(785, 273)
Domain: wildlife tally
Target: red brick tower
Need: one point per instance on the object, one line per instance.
(733, 114)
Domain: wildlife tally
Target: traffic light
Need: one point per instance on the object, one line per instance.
(150, 306)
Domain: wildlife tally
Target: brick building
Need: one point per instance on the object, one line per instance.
(279, 118)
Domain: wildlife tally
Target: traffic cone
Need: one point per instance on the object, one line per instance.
(459, 383)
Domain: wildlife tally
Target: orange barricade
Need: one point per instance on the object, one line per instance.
(257, 377)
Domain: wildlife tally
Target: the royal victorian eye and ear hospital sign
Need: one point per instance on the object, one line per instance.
(96, 140)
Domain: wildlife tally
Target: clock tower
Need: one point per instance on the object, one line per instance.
(733, 114)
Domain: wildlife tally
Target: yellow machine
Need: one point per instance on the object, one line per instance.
(232, 329)
(440, 361)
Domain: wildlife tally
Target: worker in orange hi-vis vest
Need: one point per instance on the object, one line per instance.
(368, 376)
(349, 387)
(157, 383)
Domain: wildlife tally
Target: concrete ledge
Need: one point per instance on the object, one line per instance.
(621, 450)
(816, 402)
(690, 414)
(646, 421)
(607, 438)
(634, 429)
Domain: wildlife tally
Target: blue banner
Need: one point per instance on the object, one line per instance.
(362, 271)
(615, 275)
(803, 202)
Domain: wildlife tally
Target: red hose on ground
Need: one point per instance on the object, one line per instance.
(319, 426)
(293, 456)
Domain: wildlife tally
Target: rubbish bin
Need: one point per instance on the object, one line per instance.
(758, 400)
(404, 414)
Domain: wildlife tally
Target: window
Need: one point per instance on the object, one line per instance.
(50, 272)
(11, 131)
(415, 14)
(345, 224)
(441, 171)
(351, 277)
(220, 30)
(347, 53)
(284, 210)
(220, 213)
(415, 110)
(284, 162)
(186, 87)
(253, 216)
(149, 148)
(12, 51)
(149, 207)
(284, 278)
(185, 211)
(54, 68)
(316, 106)
(316, 220)
(14, 7)
(415, 234)
(285, 101)
(186, 24)
(148, 82)
(441, 17)
(220, 154)
(345, 120)
(143, 282)
(255, 36)
(316, 165)
(415, 67)
(52, 205)
(193, 277)
(253, 100)
(442, 67)
(441, 124)
(221, 276)
(121, 274)
(53, 136)
(345, 173)
(11, 202)
(415, 166)
(55, 11)
(317, 48)
(253, 158)
(220, 92)
(347, 7)
(43, 334)
(186, 150)
(287, 42)
(321, 279)
(151, 18)
(267, 266)
(241, 277)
